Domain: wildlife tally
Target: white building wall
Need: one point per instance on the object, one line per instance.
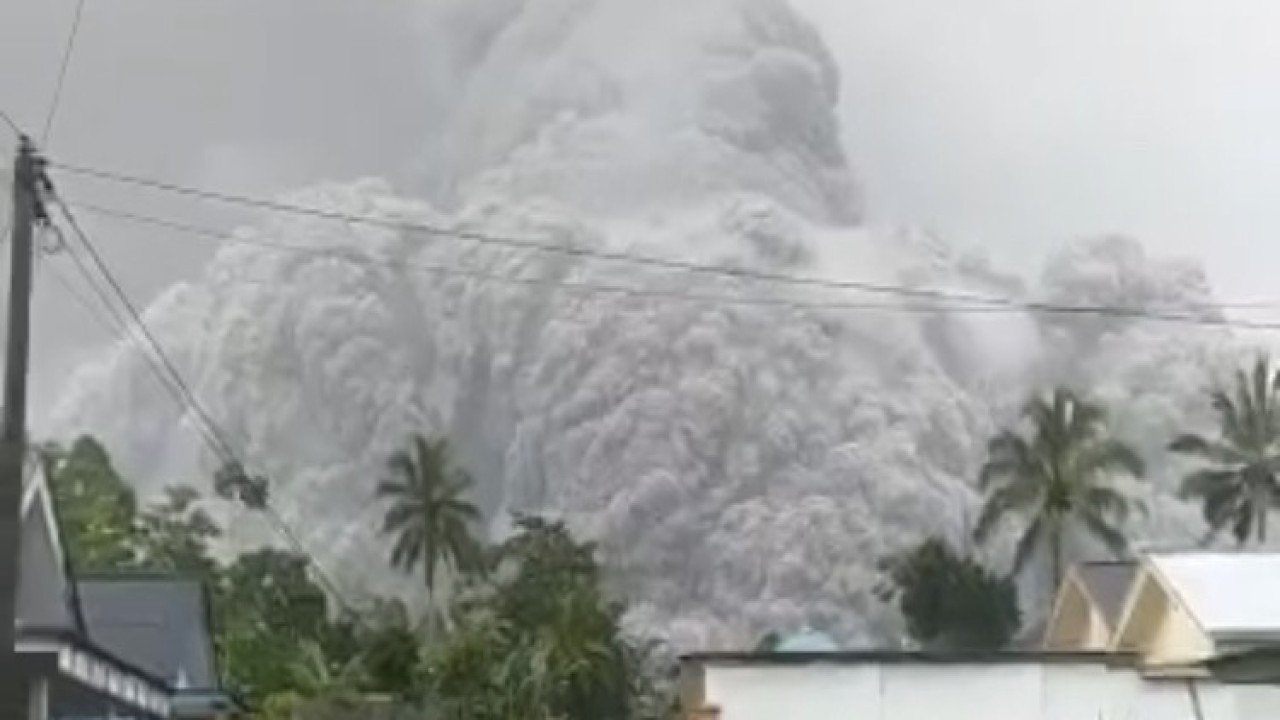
(1257, 702)
(799, 692)
(954, 691)
(920, 691)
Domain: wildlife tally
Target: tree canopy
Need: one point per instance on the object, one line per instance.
(539, 639)
(430, 519)
(96, 507)
(950, 601)
(536, 636)
(1058, 476)
(1236, 481)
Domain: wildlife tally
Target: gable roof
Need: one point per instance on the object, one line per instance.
(1108, 584)
(46, 597)
(158, 623)
(1233, 596)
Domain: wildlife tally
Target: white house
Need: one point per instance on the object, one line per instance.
(920, 686)
(1171, 636)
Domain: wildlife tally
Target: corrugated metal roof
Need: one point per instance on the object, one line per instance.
(1108, 584)
(1230, 594)
(159, 624)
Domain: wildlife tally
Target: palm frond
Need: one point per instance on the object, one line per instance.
(1245, 405)
(1110, 536)
(1205, 482)
(1259, 391)
(1108, 502)
(1214, 451)
(1112, 457)
(1008, 456)
(1221, 505)
(1011, 498)
(1083, 420)
(1229, 417)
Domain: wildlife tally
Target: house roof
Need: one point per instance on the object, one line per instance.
(1234, 596)
(1108, 583)
(46, 599)
(158, 623)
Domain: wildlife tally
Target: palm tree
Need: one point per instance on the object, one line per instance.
(1058, 479)
(1237, 481)
(429, 515)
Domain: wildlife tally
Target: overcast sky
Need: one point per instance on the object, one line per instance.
(1007, 124)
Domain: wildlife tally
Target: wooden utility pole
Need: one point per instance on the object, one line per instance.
(13, 434)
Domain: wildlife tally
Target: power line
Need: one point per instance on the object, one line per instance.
(528, 243)
(172, 385)
(447, 270)
(9, 121)
(964, 305)
(90, 309)
(670, 264)
(117, 323)
(186, 397)
(67, 53)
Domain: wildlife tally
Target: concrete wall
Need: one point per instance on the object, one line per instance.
(1000, 691)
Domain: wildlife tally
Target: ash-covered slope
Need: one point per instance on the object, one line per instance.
(744, 451)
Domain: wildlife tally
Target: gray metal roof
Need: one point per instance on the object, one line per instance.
(46, 599)
(157, 623)
(1108, 584)
(1233, 595)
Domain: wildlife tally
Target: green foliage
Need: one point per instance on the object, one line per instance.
(429, 518)
(1058, 479)
(534, 635)
(1236, 481)
(96, 507)
(270, 613)
(950, 601)
(390, 658)
(538, 639)
(174, 536)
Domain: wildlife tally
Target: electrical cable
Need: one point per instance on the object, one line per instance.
(963, 306)
(523, 243)
(67, 54)
(213, 433)
(8, 120)
(670, 264)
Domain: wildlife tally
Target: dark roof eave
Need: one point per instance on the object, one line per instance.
(80, 642)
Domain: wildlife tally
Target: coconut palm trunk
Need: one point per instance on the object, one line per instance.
(1055, 557)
